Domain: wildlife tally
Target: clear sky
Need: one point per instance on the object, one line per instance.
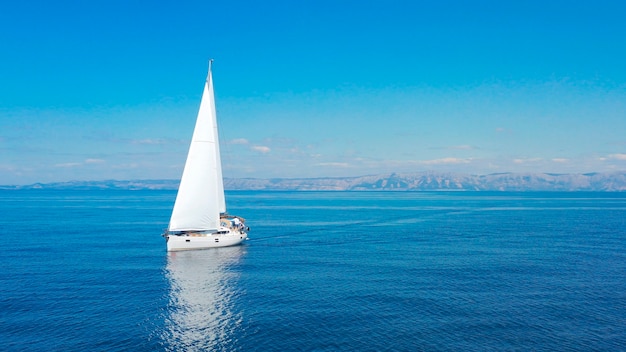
(94, 90)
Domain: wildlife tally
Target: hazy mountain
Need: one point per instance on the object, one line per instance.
(430, 181)
(425, 181)
(108, 184)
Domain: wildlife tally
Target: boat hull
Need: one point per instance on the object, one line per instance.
(191, 241)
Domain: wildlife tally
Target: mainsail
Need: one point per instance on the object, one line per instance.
(200, 198)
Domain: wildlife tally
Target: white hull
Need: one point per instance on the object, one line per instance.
(223, 238)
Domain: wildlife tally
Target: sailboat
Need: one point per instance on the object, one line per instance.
(199, 219)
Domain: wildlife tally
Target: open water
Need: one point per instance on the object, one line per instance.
(323, 271)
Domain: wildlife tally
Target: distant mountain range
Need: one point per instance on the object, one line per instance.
(425, 181)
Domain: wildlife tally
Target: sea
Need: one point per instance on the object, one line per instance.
(87, 270)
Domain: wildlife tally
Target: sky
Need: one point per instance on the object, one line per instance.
(99, 90)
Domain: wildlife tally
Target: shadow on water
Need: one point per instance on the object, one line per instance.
(201, 314)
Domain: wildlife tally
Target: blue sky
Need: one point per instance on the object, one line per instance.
(94, 90)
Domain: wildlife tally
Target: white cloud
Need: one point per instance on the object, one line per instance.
(461, 147)
(619, 156)
(94, 161)
(261, 149)
(149, 141)
(335, 164)
(67, 165)
(127, 166)
(9, 168)
(445, 161)
(526, 160)
(242, 141)
(560, 160)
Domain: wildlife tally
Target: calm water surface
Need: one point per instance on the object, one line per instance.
(323, 271)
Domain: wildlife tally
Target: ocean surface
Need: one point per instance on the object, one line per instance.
(322, 271)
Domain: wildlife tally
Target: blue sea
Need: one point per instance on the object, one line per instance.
(322, 271)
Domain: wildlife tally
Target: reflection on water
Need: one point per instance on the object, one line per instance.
(203, 290)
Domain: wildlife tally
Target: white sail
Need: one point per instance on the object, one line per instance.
(200, 198)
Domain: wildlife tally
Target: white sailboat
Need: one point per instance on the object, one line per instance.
(199, 219)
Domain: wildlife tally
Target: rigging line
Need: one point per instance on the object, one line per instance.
(226, 156)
